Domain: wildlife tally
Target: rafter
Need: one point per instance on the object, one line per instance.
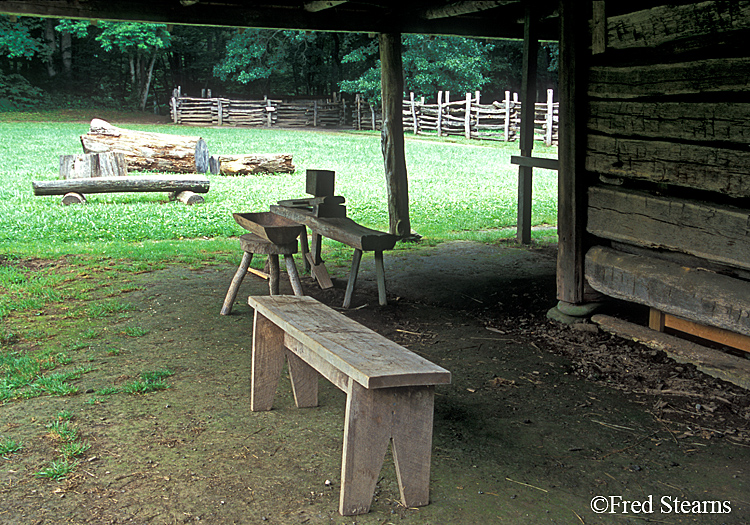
(314, 7)
(464, 8)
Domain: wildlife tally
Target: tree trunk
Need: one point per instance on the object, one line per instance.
(93, 165)
(148, 151)
(51, 41)
(66, 48)
(147, 83)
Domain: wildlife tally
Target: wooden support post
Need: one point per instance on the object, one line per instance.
(220, 111)
(315, 113)
(392, 136)
(234, 287)
(528, 110)
(571, 210)
(353, 272)
(358, 101)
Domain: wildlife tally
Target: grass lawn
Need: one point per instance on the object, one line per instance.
(456, 188)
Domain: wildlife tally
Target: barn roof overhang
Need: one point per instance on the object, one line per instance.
(484, 19)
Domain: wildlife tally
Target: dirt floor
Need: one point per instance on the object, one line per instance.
(542, 423)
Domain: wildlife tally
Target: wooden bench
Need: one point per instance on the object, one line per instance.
(346, 231)
(390, 391)
(182, 187)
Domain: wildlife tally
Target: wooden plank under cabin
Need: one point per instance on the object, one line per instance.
(711, 168)
(714, 232)
(392, 134)
(571, 212)
(356, 351)
(526, 142)
(664, 24)
(342, 229)
(715, 75)
(712, 121)
(692, 293)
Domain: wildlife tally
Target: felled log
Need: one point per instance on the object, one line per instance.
(142, 183)
(93, 165)
(253, 164)
(146, 151)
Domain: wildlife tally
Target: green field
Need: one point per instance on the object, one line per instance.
(457, 189)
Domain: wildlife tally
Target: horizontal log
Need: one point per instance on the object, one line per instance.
(145, 150)
(255, 163)
(696, 295)
(716, 169)
(718, 75)
(140, 183)
(714, 232)
(699, 121)
(653, 27)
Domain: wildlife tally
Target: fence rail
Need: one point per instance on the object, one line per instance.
(466, 117)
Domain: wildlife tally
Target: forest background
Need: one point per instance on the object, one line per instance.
(51, 63)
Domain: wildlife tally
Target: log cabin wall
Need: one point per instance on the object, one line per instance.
(668, 159)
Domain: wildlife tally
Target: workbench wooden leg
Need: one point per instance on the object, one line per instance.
(402, 415)
(380, 276)
(412, 443)
(273, 272)
(305, 250)
(366, 438)
(267, 361)
(291, 269)
(234, 287)
(304, 381)
(356, 259)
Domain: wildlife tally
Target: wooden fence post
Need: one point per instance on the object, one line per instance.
(440, 113)
(358, 102)
(315, 113)
(374, 119)
(549, 119)
(507, 116)
(467, 117)
(414, 113)
(269, 114)
(220, 109)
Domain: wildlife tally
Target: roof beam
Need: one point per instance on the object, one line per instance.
(464, 8)
(314, 7)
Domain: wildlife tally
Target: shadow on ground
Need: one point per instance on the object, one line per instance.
(539, 420)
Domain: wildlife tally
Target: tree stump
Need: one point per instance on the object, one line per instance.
(90, 165)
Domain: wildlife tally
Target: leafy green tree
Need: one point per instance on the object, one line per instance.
(16, 40)
(140, 45)
(430, 64)
(288, 62)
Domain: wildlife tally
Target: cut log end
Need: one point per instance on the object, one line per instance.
(73, 198)
(187, 197)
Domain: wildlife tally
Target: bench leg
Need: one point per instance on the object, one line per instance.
(239, 275)
(373, 419)
(356, 259)
(291, 269)
(305, 250)
(304, 381)
(273, 272)
(267, 361)
(380, 276)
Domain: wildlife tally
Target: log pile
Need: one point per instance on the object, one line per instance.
(146, 151)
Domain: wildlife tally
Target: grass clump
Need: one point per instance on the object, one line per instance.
(9, 446)
(148, 382)
(58, 470)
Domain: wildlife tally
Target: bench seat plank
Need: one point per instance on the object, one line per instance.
(356, 351)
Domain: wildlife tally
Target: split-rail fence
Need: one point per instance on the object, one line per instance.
(467, 117)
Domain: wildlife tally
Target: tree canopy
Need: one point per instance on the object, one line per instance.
(134, 64)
